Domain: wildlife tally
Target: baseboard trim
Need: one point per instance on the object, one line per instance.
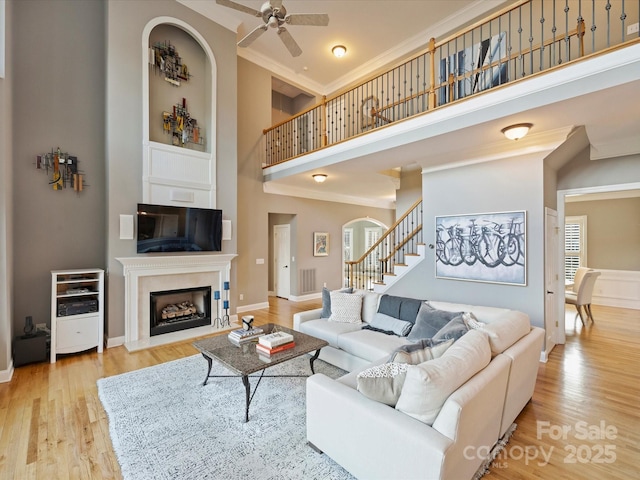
(115, 341)
(7, 375)
(249, 308)
(304, 298)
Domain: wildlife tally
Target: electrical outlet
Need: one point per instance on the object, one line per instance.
(633, 28)
(324, 284)
(242, 296)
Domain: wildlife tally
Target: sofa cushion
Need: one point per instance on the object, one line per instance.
(452, 330)
(328, 331)
(370, 302)
(389, 324)
(383, 383)
(346, 307)
(506, 331)
(326, 300)
(428, 385)
(401, 308)
(370, 345)
(415, 353)
(429, 321)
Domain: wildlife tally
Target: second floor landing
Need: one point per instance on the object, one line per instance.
(597, 96)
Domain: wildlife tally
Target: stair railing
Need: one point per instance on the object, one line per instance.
(401, 238)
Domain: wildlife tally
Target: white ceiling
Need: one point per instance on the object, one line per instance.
(377, 33)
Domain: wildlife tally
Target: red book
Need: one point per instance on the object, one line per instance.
(269, 351)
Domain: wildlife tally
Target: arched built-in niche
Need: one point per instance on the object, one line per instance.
(175, 175)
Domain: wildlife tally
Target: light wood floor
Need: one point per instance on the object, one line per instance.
(52, 425)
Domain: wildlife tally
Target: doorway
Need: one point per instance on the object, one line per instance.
(562, 195)
(281, 260)
(358, 236)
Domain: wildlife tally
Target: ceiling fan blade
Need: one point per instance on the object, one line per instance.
(289, 42)
(313, 19)
(253, 34)
(239, 7)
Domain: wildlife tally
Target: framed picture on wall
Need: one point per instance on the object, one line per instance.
(483, 247)
(320, 244)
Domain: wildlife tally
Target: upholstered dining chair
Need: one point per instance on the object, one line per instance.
(582, 298)
(577, 278)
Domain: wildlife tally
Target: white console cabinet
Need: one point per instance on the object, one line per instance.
(77, 311)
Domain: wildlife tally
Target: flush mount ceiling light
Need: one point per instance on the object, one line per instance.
(319, 177)
(339, 51)
(517, 131)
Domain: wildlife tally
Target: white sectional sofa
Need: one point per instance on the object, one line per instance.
(373, 440)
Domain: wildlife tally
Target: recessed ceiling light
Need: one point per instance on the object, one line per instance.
(319, 177)
(339, 51)
(517, 131)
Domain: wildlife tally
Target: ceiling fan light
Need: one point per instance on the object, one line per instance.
(339, 51)
(319, 177)
(517, 131)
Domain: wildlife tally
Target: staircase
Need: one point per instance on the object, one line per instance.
(400, 269)
(397, 251)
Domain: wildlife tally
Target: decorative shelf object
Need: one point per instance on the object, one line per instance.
(164, 58)
(62, 170)
(182, 127)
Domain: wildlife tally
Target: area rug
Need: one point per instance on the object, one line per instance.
(165, 425)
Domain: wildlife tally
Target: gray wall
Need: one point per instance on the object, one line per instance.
(6, 200)
(613, 232)
(582, 172)
(126, 22)
(255, 207)
(59, 98)
(502, 185)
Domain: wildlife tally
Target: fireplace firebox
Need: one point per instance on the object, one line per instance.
(174, 310)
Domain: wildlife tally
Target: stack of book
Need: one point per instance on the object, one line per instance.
(274, 342)
(242, 336)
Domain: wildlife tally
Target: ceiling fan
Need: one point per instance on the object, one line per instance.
(275, 16)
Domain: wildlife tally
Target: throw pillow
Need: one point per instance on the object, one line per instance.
(402, 308)
(345, 307)
(429, 321)
(452, 330)
(382, 383)
(428, 385)
(416, 353)
(472, 322)
(385, 322)
(326, 300)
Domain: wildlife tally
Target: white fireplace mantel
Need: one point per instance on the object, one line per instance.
(138, 270)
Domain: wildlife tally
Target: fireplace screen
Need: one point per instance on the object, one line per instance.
(174, 310)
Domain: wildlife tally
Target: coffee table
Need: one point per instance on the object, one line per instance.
(244, 360)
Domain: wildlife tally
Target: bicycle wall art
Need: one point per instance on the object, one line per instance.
(485, 247)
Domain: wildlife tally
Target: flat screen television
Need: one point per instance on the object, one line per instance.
(164, 228)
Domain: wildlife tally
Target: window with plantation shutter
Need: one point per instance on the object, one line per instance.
(575, 245)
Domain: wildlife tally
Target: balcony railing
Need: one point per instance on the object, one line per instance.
(519, 41)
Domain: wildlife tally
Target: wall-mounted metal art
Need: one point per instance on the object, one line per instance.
(164, 58)
(182, 127)
(62, 170)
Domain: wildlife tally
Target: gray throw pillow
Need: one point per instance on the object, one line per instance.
(429, 322)
(326, 300)
(383, 383)
(423, 351)
(390, 324)
(452, 330)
